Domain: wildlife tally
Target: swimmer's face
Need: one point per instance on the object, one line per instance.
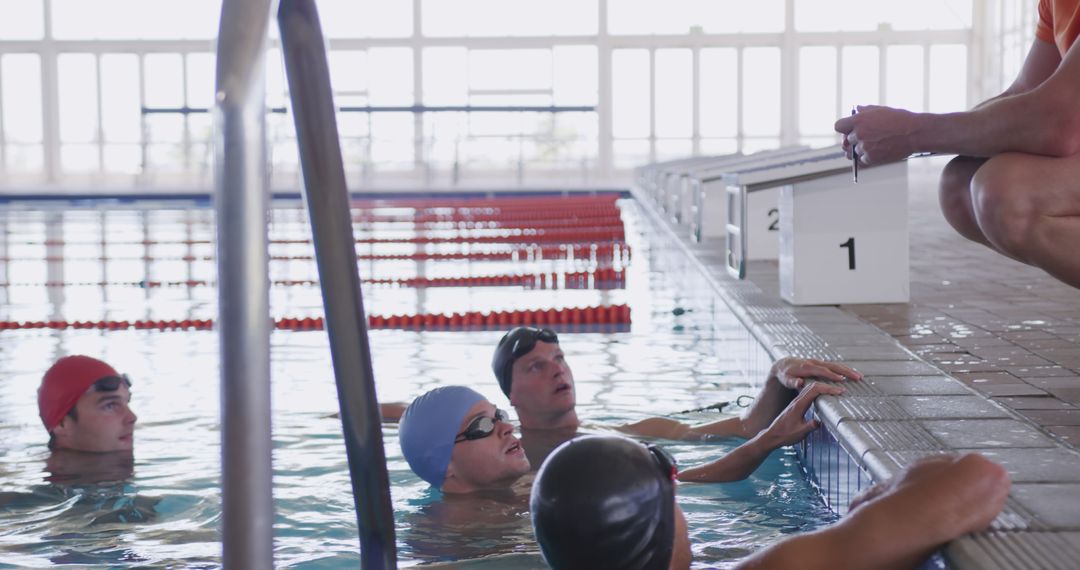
(681, 555)
(542, 382)
(490, 462)
(105, 422)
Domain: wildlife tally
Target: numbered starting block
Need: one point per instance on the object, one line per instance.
(840, 242)
(706, 200)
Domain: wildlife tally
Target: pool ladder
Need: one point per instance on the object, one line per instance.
(242, 208)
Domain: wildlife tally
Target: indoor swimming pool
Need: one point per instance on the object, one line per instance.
(152, 262)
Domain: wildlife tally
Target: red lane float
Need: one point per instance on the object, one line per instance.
(613, 316)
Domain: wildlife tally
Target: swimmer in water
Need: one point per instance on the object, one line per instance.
(533, 373)
(609, 502)
(84, 405)
(459, 442)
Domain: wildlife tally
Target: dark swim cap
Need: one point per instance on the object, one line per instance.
(605, 502)
(515, 344)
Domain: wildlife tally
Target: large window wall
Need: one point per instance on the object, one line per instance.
(571, 90)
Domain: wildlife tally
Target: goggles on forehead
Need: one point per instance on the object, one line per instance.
(111, 383)
(482, 427)
(668, 466)
(527, 338)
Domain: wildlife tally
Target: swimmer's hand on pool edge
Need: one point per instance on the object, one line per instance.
(793, 373)
(788, 428)
(786, 377)
(935, 500)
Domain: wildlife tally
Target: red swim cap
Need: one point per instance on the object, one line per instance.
(64, 383)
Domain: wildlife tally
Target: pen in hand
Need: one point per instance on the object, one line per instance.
(854, 156)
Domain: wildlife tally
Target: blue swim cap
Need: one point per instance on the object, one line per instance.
(428, 427)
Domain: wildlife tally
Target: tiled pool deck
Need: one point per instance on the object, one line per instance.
(985, 357)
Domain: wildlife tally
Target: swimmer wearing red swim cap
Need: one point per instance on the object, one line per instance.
(83, 403)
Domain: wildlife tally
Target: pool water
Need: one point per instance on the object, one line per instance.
(683, 350)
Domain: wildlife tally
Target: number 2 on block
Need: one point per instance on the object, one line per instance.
(850, 244)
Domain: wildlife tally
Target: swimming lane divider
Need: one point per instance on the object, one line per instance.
(601, 252)
(583, 319)
(600, 278)
(524, 233)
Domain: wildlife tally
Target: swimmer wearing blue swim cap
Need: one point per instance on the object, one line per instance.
(459, 442)
(609, 502)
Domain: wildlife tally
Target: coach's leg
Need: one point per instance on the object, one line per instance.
(954, 193)
(1028, 207)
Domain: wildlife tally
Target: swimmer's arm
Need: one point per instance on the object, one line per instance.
(786, 377)
(666, 428)
(734, 466)
(391, 412)
(786, 429)
(931, 504)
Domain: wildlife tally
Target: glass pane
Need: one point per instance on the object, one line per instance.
(23, 19)
(843, 15)
(718, 146)
(631, 98)
(277, 90)
(446, 76)
(365, 18)
(25, 158)
(669, 149)
(21, 97)
(756, 144)
(200, 80)
(859, 83)
(142, 19)
(719, 77)
(123, 158)
(510, 69)
(509, 18)
(904, 79)
(348, 71)
(164, 81)
(390, 81)
(576, 75)
(629, 154)
(164, 128)
(948, 78)
(761, 91)
(674, 93)
(679, 16)
(78, 97)
(120, 121)
(817, 90)
(79, 157)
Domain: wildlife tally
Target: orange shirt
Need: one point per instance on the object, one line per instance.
(1059, 23)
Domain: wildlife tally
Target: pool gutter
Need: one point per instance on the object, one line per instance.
(905, 409)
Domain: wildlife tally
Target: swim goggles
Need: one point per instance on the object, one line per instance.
(482, 427)
(111, 383)
(526, 338)
(668, 466)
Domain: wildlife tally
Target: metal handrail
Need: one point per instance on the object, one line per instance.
(242, 204)
(327, 199)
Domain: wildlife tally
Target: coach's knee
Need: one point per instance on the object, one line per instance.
(954, 191)
(1003, 203)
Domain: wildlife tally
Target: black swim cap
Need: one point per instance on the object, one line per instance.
(515, 344)
(605, 502)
